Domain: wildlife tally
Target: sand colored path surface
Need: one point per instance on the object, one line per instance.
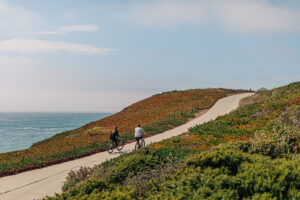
(38, 183)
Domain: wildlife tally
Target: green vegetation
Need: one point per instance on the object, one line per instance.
(253, 154)
(156, 114)
(230, 174)
(225, 173)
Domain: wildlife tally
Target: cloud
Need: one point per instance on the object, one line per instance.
(20, 45)
(167, 12)
(248, 16)
(75, 28)
(255, 16)
(14, 18)
(46, 33)
(67, 29)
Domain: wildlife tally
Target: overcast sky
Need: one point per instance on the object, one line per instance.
(100, 56)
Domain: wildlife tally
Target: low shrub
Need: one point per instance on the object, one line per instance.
(131, 166)
(75, 177)
(272, 146)
(209, 175)
(229, 158)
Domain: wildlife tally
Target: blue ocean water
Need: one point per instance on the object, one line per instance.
(21, 130)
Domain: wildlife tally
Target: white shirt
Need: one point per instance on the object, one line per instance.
(138, 132)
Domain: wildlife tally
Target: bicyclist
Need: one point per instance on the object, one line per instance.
(138, 133)
(114, 135)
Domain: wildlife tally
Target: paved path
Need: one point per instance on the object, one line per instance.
(46, 181)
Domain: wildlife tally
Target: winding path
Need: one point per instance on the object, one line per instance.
(46, 181)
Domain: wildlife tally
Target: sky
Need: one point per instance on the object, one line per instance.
(103, 55)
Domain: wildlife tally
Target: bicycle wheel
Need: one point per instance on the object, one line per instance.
(142, 143)
(111, 148)
(121, 145)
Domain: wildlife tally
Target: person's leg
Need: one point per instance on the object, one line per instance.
(137, 140)
(141, 138)
(140, 141)
(112, 140)
(115, 141)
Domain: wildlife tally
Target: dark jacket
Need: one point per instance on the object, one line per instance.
(114, 134)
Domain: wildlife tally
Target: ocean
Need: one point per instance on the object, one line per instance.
(20, 130)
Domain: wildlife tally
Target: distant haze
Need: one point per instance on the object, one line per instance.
(100, 56)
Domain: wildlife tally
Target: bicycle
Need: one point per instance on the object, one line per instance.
(140, 144)
(112, 146)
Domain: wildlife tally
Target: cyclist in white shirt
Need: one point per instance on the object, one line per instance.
(138, 133)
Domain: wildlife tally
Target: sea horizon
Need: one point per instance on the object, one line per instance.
(19, 130)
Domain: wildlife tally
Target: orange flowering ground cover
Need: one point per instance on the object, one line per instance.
(196, 142)
(261, 116)
(156, 114)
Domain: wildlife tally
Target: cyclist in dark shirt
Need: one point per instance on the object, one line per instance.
(114, 135)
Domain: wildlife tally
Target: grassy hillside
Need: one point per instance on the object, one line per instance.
(156, 114)
(254, 153)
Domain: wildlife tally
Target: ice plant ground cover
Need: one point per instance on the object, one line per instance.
(251, 153)
(156, 114)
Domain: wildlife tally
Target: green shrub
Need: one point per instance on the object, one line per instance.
(275, 147)
(82, 190)
(208, 175)
(75, 177)
(130, 166)
(229, 158)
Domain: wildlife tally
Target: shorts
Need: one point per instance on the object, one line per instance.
(138, 138)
